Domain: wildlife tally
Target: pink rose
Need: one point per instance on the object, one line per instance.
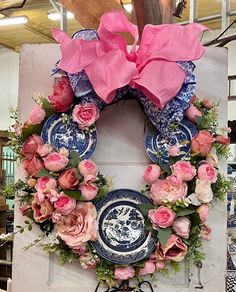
(79, 226)
(124, 273)
(56, 217)
(184, 170)
(181, 226)
(207, 102)
(53, 195)
(42, 209)
(87, 167)
(203, 191)
(65, 204)
(88, 261)
(173, 150)
(202, 143)
(222, 139)
(174, 250)
(25, 210)
(45, 184)
(162, 217)
(55, 161)
(173, 179)
(207, 172)
(212, 158)
(152, 173)
(85, 115)
(193, 112)
(206, 232)
(30, 146)
(160, 265)
(68, 179)
(80, 249)
(37, 115)
(149, 268)
(203, 212)
(88, 191)
(164, 190)
(44, 150)
(62, 96)
(33, 165)
(90, 178)
(31, 182)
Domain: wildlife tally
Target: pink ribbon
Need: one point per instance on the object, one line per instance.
(152, 67)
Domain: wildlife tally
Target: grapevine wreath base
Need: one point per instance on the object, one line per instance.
(66, 196)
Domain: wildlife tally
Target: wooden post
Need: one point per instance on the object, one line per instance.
(153, 12)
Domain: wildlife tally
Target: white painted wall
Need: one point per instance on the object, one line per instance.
(9, 71)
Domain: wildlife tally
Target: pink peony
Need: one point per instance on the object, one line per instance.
(124, 273)
(25, 210)
(202, 143)
(203, 212)
(193, 112)
(68, 179)
(149, 268)
(88, 191)
(174, 250)
(203, 191)
(174, 151)
(55, 161)
(164, 190)
(87, 167)
(79, 226)
(207, 172)
(30, 146)
(152, 173)
(207, 102)
(56, 217)
(88, 261)
(184, 170)
(62, 96)
(222, 139)
(162, 217)
(181, 226)
(45, 184)
(65, 204)
(37, 115)
(85, 114)
(44, 150)
(42, 209)
(206, 232)
(33, 165)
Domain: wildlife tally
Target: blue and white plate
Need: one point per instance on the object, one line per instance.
(67, 134)
(122, 237)
(157, 144)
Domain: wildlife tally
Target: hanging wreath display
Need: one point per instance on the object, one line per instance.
(122, 233)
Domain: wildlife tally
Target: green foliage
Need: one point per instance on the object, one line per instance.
(47, 107)
(144, 208)
(163, 235)
(28, 226)
(65, 255)
(76, 194)
(74, 159)
(43, 172)
(30, 130)
(12, 189)
(222, 150)
(195, 254)
(222, 186)
(105, 272)
(184, 212)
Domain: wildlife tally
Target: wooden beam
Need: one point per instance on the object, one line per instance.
(7, 46)
(153, 12)
(89, 12)
(39, 33)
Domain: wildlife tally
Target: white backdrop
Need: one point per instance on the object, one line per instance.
(120, 153)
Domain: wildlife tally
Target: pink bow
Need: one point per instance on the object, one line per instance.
(152, 67)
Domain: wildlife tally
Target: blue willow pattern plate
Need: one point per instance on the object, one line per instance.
(157, 144)
(122, 237)
(67, 134)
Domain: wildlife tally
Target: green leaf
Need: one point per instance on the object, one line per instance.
(43, 172)
(144, 208)
(74, 159)
(163, 235)
(183, 212)
(30, 227)
(30, 130)
(198, 120)
(48, 108)
(195, 219)
(73, 194)
(27, 222)
(18, 226)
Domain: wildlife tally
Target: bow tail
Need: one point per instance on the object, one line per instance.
(160, 81)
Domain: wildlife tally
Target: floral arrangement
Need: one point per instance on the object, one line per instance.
(60, 188)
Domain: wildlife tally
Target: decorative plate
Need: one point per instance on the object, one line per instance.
(157, 144)
(67, 134)
(122, 237)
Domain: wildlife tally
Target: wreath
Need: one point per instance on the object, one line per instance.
(66, 196)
